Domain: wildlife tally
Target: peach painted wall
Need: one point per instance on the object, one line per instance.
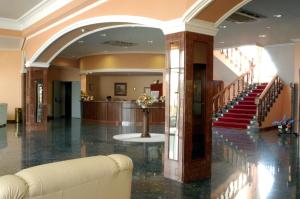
(103, 85)
(65, 62)
(60, 74)
(10, 80)
(114, 61)
(281, 107)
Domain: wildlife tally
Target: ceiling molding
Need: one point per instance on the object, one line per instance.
(231, 11)
(122, 52)
(9, 24)
(195, 9)
(202, 27)
(123, 70)
(35, 14)
(37, 64)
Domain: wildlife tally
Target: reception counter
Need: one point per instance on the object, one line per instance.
(121, 112)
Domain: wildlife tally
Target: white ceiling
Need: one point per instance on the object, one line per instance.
(277, 30)
(14, 9)
(93, 44)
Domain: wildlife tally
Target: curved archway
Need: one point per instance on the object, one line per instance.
(80, 29)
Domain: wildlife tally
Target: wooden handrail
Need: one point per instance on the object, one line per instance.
(262, 95)
(265, 101)
(222, 98)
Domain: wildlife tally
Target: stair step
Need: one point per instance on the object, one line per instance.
(233, 119)
(239, 115)
(243, 106)
(249, 98)
(257, 90)
(261, 87)
(253, 94)
(245, 111)
(231, 125)
(247, 102)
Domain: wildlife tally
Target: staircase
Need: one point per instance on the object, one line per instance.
(241, 110)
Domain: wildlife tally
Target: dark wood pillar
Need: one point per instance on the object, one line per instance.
(36, 99)
(188, 81)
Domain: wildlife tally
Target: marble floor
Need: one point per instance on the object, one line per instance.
(245, 165)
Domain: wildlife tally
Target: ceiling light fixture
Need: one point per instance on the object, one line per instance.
(80, 41)
(277, 16)
(83, 30)
(223, 27)
(103, 35)
(221, 42)
(262, 36)
(268, 27)
(150, 42)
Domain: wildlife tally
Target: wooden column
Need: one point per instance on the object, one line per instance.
(192, 131)
(36, 76)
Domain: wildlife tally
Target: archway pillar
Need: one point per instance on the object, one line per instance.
(188, 88)
(36, 99)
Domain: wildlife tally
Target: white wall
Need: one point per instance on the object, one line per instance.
(222, 72)
(283, 59)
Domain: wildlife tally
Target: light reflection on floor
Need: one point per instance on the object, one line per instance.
(244, 165)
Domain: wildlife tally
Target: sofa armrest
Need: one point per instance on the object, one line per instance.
(12, 186)
(123, 162)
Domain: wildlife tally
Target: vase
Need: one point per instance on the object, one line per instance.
(145, 131)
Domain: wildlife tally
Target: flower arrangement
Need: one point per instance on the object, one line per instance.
(285, 124)
(86, 97)
(145, 100)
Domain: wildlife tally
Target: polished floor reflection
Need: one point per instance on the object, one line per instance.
(245, 165)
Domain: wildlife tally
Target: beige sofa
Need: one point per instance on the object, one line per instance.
(98, 177)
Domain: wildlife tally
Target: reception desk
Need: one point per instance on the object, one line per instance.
(121, 112)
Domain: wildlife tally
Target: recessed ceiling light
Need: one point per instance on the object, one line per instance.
(80, 41)
(268, 27)
(103, 35)
(221, 42)
(125, 46)
(262, 36)
(83, 30)
(150, 42)
(277, 15)
(223, 27)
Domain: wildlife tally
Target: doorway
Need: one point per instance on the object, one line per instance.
(66, 99)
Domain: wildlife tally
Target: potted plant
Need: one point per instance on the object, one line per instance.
(284, 125)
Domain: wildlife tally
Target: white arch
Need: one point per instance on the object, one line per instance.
(131, 20)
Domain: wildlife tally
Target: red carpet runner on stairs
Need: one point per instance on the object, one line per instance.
(242, 113)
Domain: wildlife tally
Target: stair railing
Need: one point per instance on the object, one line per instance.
(221, 99)
(236, 57)
(265, 101)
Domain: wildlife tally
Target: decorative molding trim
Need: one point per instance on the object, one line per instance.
(35, 14)
(123, 52)
(36, 64)
(123, 70)
(195, 9)
(231, 11)
(67, 18)
(202, 27)
(9, 24)
(40, 11)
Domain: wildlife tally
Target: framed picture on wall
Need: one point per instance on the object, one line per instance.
(120, 89)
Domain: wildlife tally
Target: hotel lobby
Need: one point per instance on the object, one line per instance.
(149, 99)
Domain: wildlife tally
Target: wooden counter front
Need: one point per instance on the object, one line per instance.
(121, 112)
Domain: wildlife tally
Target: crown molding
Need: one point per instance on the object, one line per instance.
(38, 12)
(122, 70)
(202, 27)
(195, 9)
(37, 64)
